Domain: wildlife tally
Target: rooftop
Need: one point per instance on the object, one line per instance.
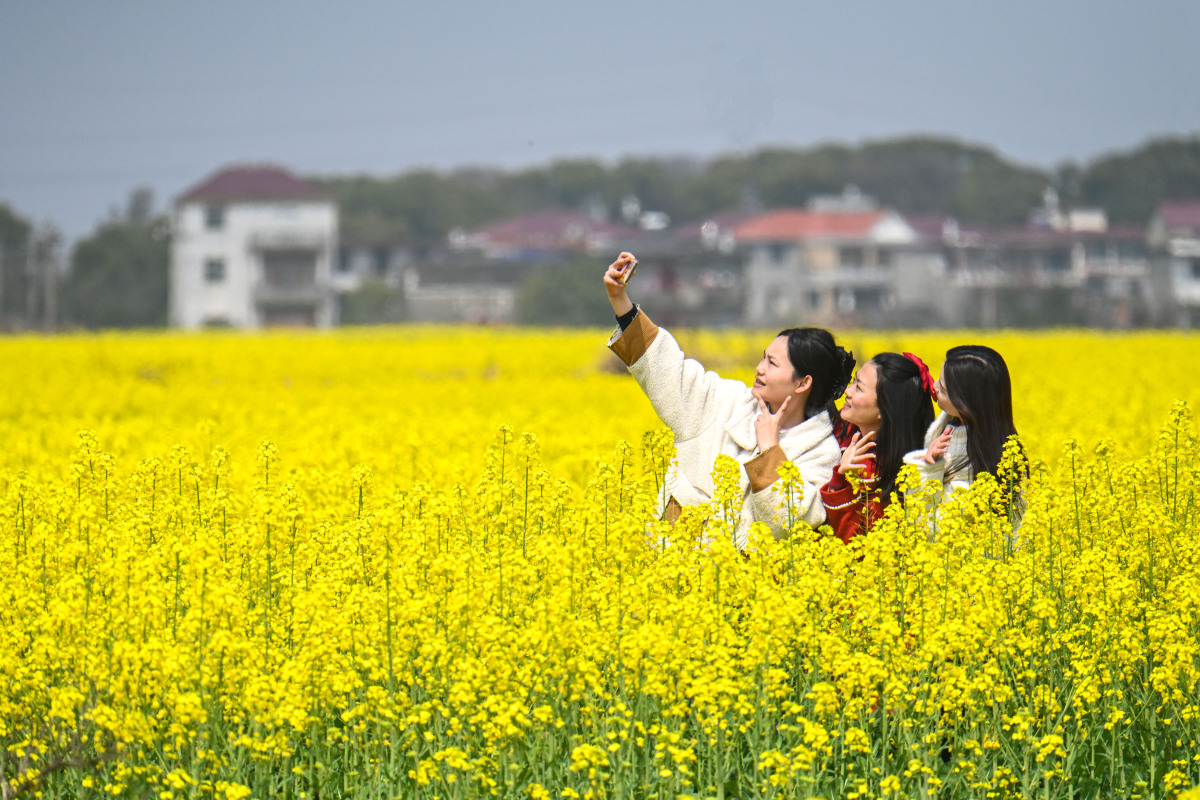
(252, 182)
(793, 224)
(1178, 214)
(549, 229)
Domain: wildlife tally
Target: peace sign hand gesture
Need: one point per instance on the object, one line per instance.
(766, 424)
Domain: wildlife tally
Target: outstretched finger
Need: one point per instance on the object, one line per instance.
(858, 462)
(859, 441)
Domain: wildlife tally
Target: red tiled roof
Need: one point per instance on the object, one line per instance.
(1181, 214)
(252, 182)
(550, 229)
(792, 224)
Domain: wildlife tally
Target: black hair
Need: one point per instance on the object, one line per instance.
(976, 378)
(813, 352)
(905, 413)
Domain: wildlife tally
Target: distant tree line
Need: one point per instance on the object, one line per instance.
(118, 276)
(29, 274)
(114, 278)
(916, 175)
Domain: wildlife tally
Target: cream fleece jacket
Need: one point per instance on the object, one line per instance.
(709, 416)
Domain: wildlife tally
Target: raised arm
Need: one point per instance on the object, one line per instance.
(686, 396)
(614, 283)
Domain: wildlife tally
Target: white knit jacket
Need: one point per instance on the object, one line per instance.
(953, 469)
(710, 415)
(953, 472)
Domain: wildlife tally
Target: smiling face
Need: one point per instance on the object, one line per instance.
(775, 379)
(942, 395)
(861, 406)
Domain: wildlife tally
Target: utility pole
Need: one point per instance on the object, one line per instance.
(3, 268)
(50, 280)
(31, 283)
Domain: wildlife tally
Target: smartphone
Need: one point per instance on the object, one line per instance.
(627, 275)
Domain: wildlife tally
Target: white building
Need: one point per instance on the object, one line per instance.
(1174, 239)
(253, 246)
(834, 267)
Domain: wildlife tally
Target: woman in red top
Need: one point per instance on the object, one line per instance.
(887, 410)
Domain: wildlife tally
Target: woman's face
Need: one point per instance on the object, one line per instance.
(861, 406)
(775, 380)
(942, 394)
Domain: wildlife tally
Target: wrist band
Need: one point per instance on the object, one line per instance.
(626, 319)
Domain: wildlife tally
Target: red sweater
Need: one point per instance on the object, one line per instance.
(847, 512)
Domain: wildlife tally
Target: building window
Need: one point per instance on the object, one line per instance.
(851, 256)
(214, 270)
(214, 217)
(1195, 265)
(383, 257)
(1130, 250)
(290, 268)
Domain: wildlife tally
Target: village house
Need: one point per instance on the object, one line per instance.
(834, 267)
(479, 275)
(1173, 237)
(840, 261)
(253, 246)
(1060, 268)
(256, 246)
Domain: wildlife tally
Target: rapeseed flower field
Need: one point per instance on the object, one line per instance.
(423, 562)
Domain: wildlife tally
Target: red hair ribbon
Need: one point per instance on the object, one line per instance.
(926, 378)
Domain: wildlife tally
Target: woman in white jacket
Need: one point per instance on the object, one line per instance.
(788, 415)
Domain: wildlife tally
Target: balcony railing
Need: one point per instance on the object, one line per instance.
(843, 276)
(267, 294)
(1117, 267)
(290, 240)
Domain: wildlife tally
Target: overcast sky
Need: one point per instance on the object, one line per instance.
(100, 96)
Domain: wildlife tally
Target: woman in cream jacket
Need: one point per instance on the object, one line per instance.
(788, 414)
